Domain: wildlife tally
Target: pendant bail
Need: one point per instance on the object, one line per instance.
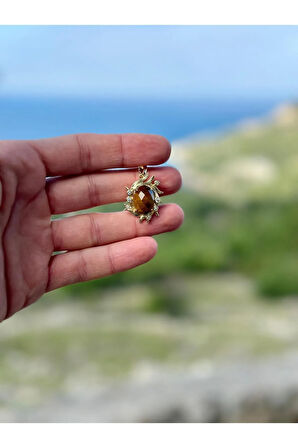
(142, 170)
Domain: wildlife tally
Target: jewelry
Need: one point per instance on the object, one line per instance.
(143, 196)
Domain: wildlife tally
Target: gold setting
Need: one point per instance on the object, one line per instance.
(152, 185)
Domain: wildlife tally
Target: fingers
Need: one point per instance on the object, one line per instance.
(97, 262)
(86, 191)
(85, 153)
(97, 229)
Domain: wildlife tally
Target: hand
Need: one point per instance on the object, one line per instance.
(97, 244)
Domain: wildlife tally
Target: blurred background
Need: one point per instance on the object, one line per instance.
(207, 331)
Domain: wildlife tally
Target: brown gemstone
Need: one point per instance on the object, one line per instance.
(143, 200)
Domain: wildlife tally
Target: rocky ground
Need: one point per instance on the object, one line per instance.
(226, 360)
(262, 391)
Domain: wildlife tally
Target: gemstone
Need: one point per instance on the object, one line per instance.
(143, 200)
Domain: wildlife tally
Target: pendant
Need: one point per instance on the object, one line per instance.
(143, 196)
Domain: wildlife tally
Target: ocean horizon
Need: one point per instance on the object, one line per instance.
(31, 118)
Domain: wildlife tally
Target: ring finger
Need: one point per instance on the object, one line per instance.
(97, 229)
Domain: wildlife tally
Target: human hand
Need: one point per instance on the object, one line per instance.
(97, 244)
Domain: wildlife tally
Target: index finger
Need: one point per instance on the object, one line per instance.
(84, 153)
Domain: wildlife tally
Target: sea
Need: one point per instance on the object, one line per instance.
(30, 118)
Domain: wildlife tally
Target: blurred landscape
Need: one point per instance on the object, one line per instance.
(207, 331)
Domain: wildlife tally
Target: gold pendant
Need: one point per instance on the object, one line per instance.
(143, 196)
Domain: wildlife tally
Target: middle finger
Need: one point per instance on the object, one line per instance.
(86, 191)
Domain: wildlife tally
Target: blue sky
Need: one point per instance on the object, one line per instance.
(157, 61)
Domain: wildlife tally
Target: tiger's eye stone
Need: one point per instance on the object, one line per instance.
(143, 200)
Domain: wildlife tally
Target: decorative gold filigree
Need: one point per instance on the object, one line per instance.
(150, 183)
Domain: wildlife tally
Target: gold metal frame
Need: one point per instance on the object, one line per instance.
(152, 184)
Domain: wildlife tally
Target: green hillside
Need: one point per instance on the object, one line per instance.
(258, 160)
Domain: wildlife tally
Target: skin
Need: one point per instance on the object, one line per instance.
(97, 244)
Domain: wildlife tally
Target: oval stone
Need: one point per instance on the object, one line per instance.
(143, 200)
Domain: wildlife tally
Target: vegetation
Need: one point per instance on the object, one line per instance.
(258, 239)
